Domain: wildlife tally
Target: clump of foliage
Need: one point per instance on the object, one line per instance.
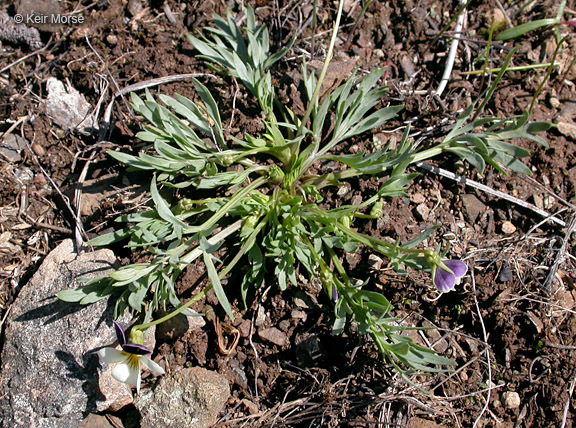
(265, 210)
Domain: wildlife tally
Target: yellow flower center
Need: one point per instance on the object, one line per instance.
(132, 360)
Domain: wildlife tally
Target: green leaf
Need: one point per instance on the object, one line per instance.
(110, 238)
(162, 207)
(96, 295)
(231, 178)
(520, 30)
(127, 274)
(136, 298)
(421, 237)
(216, 284)
(338, 327)
(72, 295)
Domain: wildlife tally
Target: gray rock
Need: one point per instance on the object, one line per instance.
(24, 175)
(190, 398)
(12, 32)
(11, 147)
(423, 211)
(46, 9)
(473, 206)
(68, 108)
(49, 373)
(115, 395)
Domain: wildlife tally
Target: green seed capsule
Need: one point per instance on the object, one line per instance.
(346, 221)
(226, 160)
(377, 211)
(185, 204)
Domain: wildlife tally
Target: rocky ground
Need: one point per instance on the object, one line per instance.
(510, 325)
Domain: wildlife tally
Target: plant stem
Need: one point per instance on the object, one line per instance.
(519, 68)
(427, 154)
(548, 73)
(329, 55)
(245, 247)
(196, 252)
(221, 275)
(175, 311)
(377, 244)
(233, 201)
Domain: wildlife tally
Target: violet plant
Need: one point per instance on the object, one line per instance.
(129, 359)
(265, 211)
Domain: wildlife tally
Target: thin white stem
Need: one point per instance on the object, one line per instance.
(489, 363)
(567, 404)
(452, 52)
(329, 55)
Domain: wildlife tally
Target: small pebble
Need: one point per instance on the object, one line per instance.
(423, 211)
(38, 149)
(505, 273)
(375, 262)
(273, 335)
(299, 315)
(418, 198)
(342, 191)
(538, 201)
(508, 228)
(134, 7)
(111, 39)
(244, 328)
(511, 400)
(260, 316)
(250, 406)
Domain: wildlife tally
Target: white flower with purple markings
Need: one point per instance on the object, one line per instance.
(128, 360)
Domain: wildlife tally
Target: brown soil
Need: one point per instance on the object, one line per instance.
(510, 325)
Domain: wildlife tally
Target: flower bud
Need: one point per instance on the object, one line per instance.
(136, 337)
(376, 211)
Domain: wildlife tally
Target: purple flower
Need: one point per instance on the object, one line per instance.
(334, 293)
(129, 359)
(445, 280)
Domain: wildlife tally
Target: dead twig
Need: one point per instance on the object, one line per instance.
(256, 357)
(561, 255)
(489, 363)
(529, 299)
(236, 92)
(554, 345)
(14, 126)
(288, 391)
(484, 188)
(25, 57)
(109, 74)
